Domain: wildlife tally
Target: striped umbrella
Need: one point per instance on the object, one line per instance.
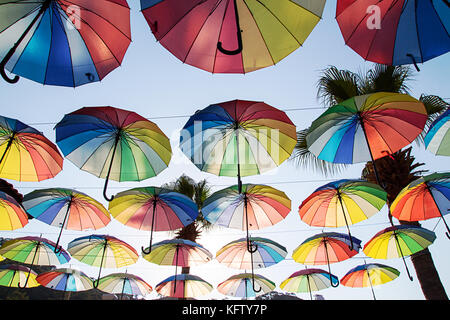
(67, 209)
(154, 209)
(240, 285)
(14, 275)
(124, 283)
(65, 279)
(25, 153)
(12, 215)
(231, 36)
(113, 143)
(437, 139)
(188, 286)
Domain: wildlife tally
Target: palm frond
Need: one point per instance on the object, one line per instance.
(384, 78)
(335, 86)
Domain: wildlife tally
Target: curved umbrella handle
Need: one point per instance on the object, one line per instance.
(95, 283)
(5, 76)
(251, 247)
(253, 285)
(144, 251)
(239, 37)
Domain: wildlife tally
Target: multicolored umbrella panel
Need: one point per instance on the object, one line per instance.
(425, 198)
(65, 279)
(231, 36)
(241, 285)
(395, 32)
(25, 153)
(66, 209)
(113, 143)
(12, 215)
(154, 209)
(187, 286)
(437, 139)
(17, 276)
(124, 283)
(56, 42)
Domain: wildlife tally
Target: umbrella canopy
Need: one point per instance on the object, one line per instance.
(240, 285)
(154, 209)
(63, 43)
(65, 279)
(231, 36)
(66, 209)
(102, 251)
(124, 283)
(17, 276)
(187, 286)
(369, 275)
(309, 280)
(25, 153)
(12, 215)
(113, 143)
(437, 139)
(425, 198)
(395, 32)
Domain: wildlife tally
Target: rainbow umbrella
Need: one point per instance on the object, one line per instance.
(26, 154)
(33, 251)
(240, 285)
(399, 241)
(188, 286)
(65, 279)
(12, 275)
(342, 203)
(154, 209)
(326, 248)
(395, 32)
(12, 215)
(113, 143)
(425, 198)
(67, 209)
(370, 274)
(63, 43)
(437, 139)
(231, 36)
(367, 127)
(124, 283)
(102, 251)
(309, 280)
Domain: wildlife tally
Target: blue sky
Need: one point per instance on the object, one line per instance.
(158, 86)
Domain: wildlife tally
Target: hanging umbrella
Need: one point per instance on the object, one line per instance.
(370, 274)
(395, 32)
(62, 43)
(231, 36)
(25, 153)
(256, 207)
(113, 143)
(154, 209)
(425, 198)
(12, 215)
(124, 283)
(14, 275)
(33, 251)
(437, 139)
(102, 251)
(342, 203)
(399, 241)
(67, 209)
(326, 248)
(309, 280)
(367, 127)
(240, 285)
(65, 279)
(188, 286)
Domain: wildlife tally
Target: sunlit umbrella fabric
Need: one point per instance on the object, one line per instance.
(65, 279)
(437, 139)
(187, 286)
(15, 276)
(12, 215)
(367, 275)
(308, 280)
(124, 283)
(25, 153)
(241, 285)
(229, 36)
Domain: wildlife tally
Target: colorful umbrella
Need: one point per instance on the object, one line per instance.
(188, 286)
(231, 36)
(371, 274)
(102, 251)
(65, 279)
(326, 248)
(425, 198)
(113, 143)
(33, 251)
(309, 280)
(124, 283)
(67, 209)
(395, 32)
(12, 215)
(63, 43)
(342, 203)
(12, 275)
(26, 154)
(437, 139)
(154, 209)
(367, 127)
(399, 241)
(240, 285)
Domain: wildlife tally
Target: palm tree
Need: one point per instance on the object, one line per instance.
(397, 170)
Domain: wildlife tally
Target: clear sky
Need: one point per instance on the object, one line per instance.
(158, 86)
